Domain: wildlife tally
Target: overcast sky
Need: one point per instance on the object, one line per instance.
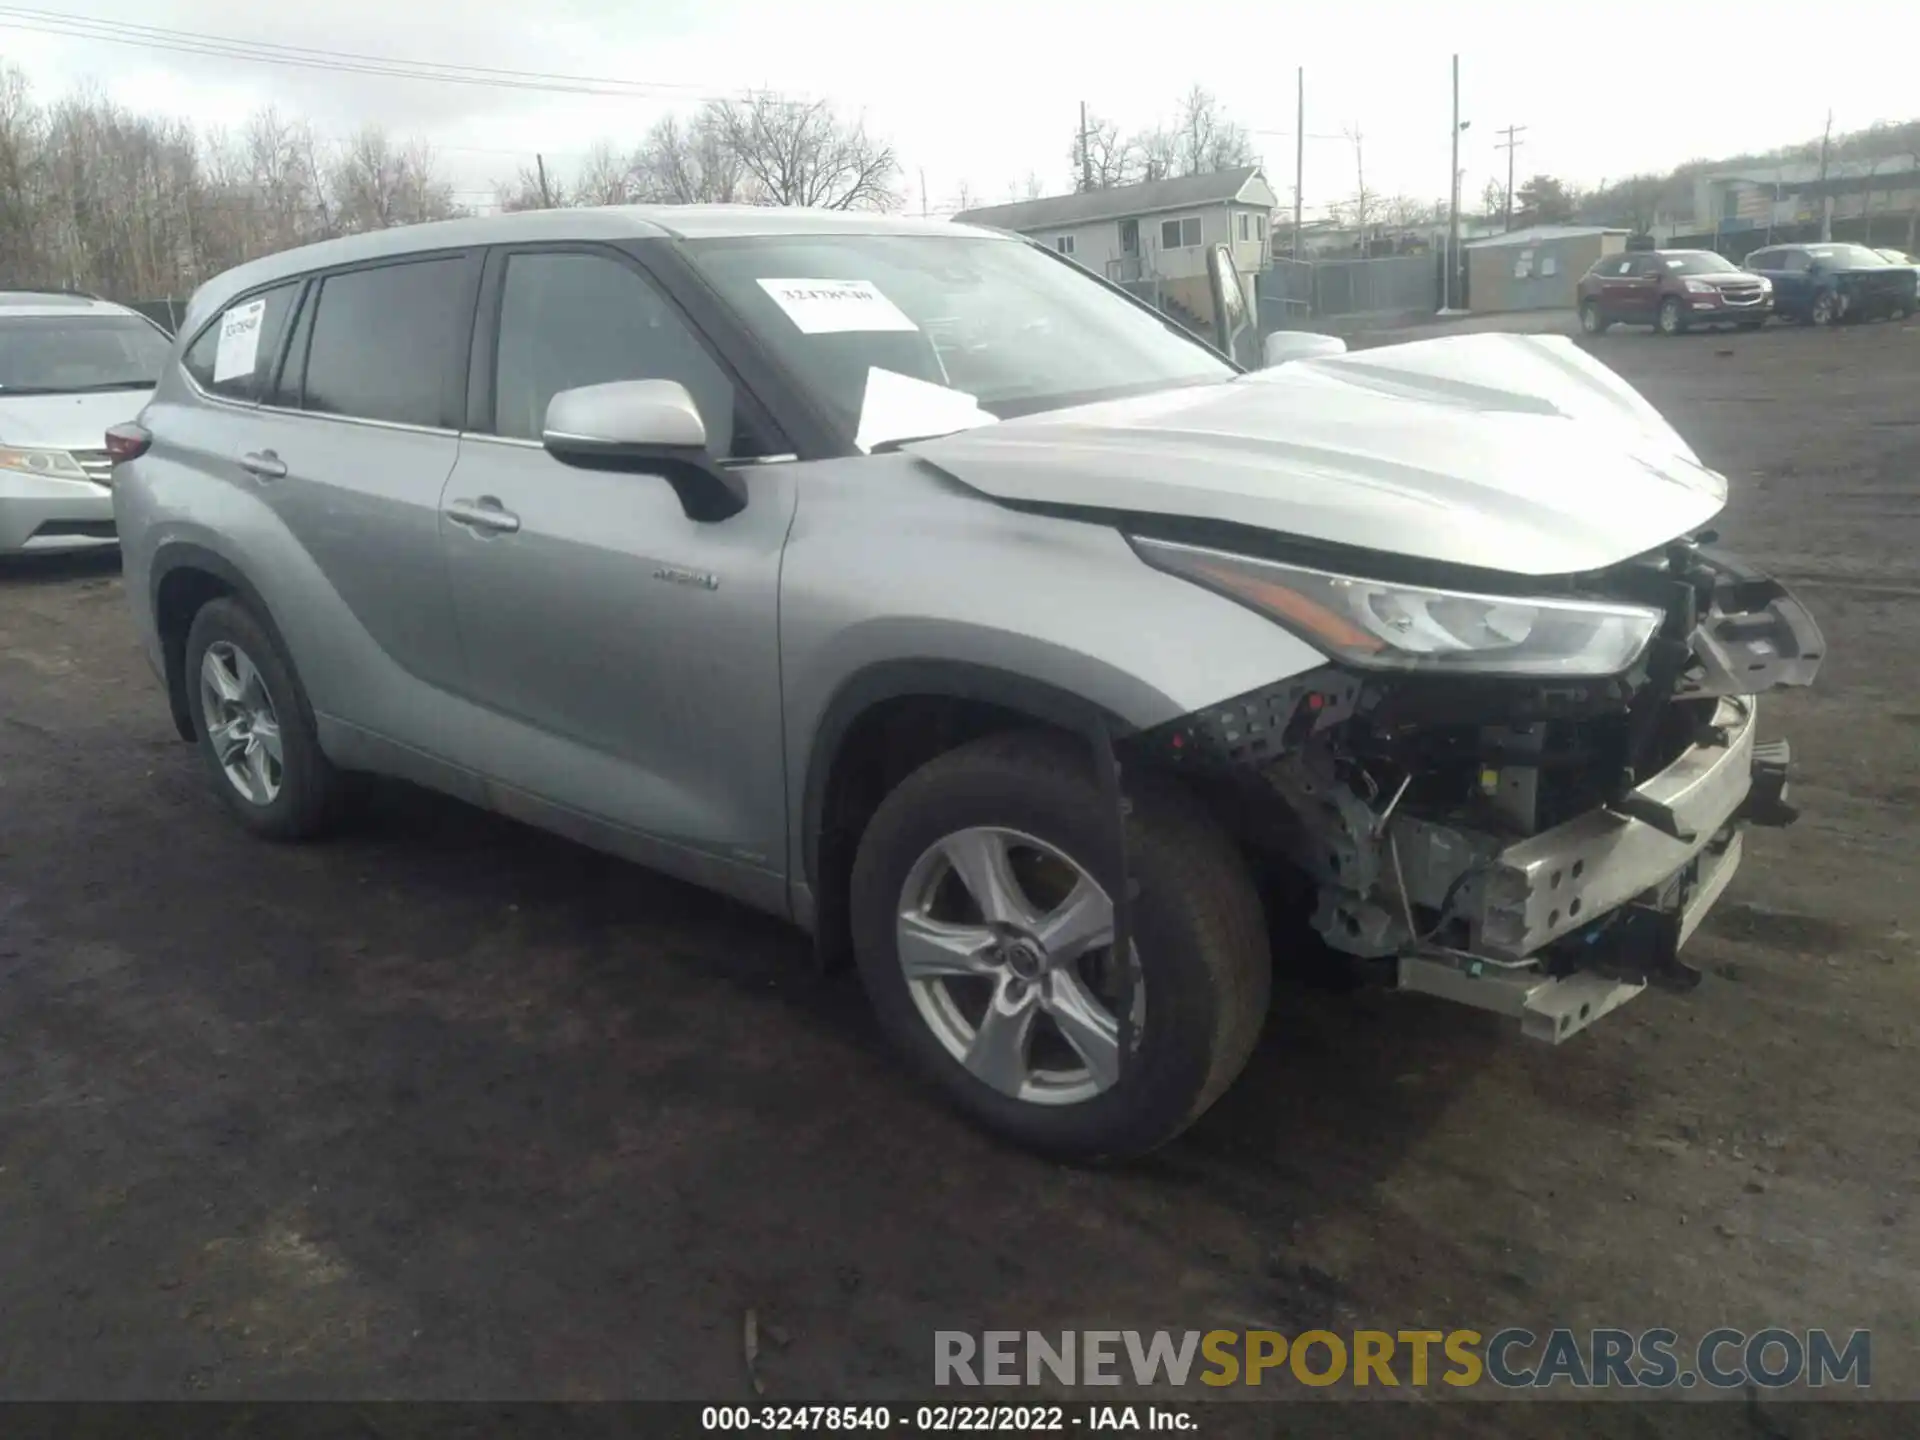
(986, 92)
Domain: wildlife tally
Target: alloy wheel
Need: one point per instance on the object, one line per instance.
(241, 722)
(1007, 945)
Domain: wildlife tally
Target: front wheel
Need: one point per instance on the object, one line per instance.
(983, 918)
(1670, 321)
(1826, 309)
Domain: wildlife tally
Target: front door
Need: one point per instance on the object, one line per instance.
(1636, 293)
(631, 653)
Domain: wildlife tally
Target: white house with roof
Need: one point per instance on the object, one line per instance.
(1157, 231)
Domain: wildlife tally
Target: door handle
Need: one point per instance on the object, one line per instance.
(483, 514)
(263, 464)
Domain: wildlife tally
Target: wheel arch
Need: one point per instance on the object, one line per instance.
(183, 578)
(889, 719)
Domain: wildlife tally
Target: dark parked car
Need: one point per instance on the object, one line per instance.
(1824, 283)
(1672, 290)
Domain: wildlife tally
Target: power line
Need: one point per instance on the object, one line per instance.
(191, 42)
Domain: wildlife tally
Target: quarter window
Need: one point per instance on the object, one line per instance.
(203, 356)
(389, 343)
(573, 319)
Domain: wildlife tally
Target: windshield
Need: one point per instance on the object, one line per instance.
(63, 354)
(1847, 257)
(1896, 257)
(1698, 262)
(1009, 328)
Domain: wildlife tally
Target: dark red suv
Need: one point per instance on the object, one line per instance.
(1672, 290)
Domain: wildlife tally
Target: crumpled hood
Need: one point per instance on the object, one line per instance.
(67, 422)
(1510, 452)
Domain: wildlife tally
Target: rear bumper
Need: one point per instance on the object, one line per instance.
(39, 515)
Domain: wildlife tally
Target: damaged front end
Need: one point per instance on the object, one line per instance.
(1540, 846)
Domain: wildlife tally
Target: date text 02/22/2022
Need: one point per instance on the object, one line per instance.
(945, 1419)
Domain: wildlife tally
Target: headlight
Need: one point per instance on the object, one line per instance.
(1765, 284)
(1380, 625)
(48, 464)
(1699, 287)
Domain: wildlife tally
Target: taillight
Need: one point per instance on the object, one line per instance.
(128, 441)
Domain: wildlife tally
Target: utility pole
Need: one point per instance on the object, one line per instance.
(1453, 196)
(1510, 144)
(546, 197)
(923, 192)
(1086, 155)
(1299, 152)
(1826, 200)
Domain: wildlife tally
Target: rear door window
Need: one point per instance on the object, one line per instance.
(390, 343)
(233, 356)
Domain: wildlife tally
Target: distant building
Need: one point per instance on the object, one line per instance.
(1153, 237)
(1538, 268)
(1790, 193)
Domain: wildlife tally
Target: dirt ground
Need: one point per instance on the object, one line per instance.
(447, 1108)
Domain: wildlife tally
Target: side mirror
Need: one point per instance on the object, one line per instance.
(1816, 267)
(647, 427)
(1232, 316)
(1284, 345)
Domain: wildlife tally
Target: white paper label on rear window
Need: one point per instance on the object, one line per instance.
(833, 307)
(239, 341)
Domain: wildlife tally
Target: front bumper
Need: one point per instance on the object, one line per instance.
(39, 515)
(1571, 923)
(1710, 309)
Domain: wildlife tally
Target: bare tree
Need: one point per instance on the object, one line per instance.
(803, 154)
(1158, 153)
(963, 198)
(1100, 159)
(605, 178)
(689, 163)
(1207, 140)
(1493, 199)
(377, 184)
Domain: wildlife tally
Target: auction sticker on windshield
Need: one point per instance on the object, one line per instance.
(239, 341)
(833, 307)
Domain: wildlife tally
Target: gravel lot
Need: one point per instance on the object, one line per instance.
(446, 1108)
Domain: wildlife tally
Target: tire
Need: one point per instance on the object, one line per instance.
(289, 797)
(1825, 310)
(1592, 321)
(1203, 975)
(1669, 320)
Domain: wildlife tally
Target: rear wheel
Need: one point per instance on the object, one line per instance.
(254, 726)
(983, 918)
(1670, 320)
(1826, 309)
(1591, 320)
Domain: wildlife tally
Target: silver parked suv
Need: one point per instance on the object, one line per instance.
(909, 581)
(70, 366)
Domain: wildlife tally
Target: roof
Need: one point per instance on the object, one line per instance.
(607, 222)
(1807, 172)
(1118, 203)
(38, 303)
(1542, 234)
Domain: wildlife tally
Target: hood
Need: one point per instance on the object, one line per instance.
(67, 422)
(1508, 452)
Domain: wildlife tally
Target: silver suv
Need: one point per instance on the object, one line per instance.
(70, 366)
(907, 580)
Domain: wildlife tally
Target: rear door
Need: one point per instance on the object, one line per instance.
(633, 651)
(352, 448)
